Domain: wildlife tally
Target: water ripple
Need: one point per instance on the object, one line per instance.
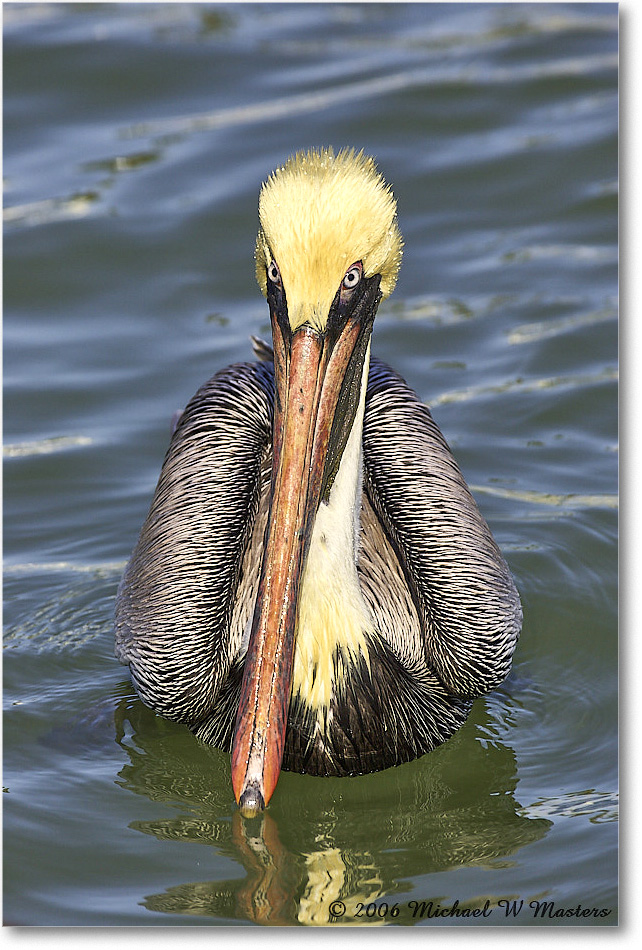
(571, 381)
(598, 807)
(544, 329)
(306, 103)
(51, 209)
(570, 500)
(48, 446)
(99, 569)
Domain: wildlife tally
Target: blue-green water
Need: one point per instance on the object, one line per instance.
(135, 141)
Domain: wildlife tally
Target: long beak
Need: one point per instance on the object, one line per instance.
(310, 377)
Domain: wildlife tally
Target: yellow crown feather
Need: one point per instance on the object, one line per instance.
(319, 214)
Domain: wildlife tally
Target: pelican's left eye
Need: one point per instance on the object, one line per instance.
(353, 276)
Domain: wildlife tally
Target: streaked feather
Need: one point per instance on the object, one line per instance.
(444, 605)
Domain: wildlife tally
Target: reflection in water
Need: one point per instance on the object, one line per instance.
(322, 840)
(265, 896)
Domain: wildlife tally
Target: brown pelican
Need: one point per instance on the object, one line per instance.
(314, 587)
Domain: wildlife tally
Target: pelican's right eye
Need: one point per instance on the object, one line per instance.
(274, 273)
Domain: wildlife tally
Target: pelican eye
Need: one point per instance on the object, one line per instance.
(273, 272)
(352, 277)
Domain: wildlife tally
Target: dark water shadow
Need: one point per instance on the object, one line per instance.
(322, 841)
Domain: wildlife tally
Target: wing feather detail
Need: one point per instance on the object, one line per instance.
(182, 605)
(465, 595)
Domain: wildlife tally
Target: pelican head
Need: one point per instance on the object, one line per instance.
(328, 250)
(320, 215)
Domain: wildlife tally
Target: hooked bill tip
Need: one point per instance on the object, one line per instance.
(251, 802)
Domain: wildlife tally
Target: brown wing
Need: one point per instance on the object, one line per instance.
(188, 588)
(465, 597)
